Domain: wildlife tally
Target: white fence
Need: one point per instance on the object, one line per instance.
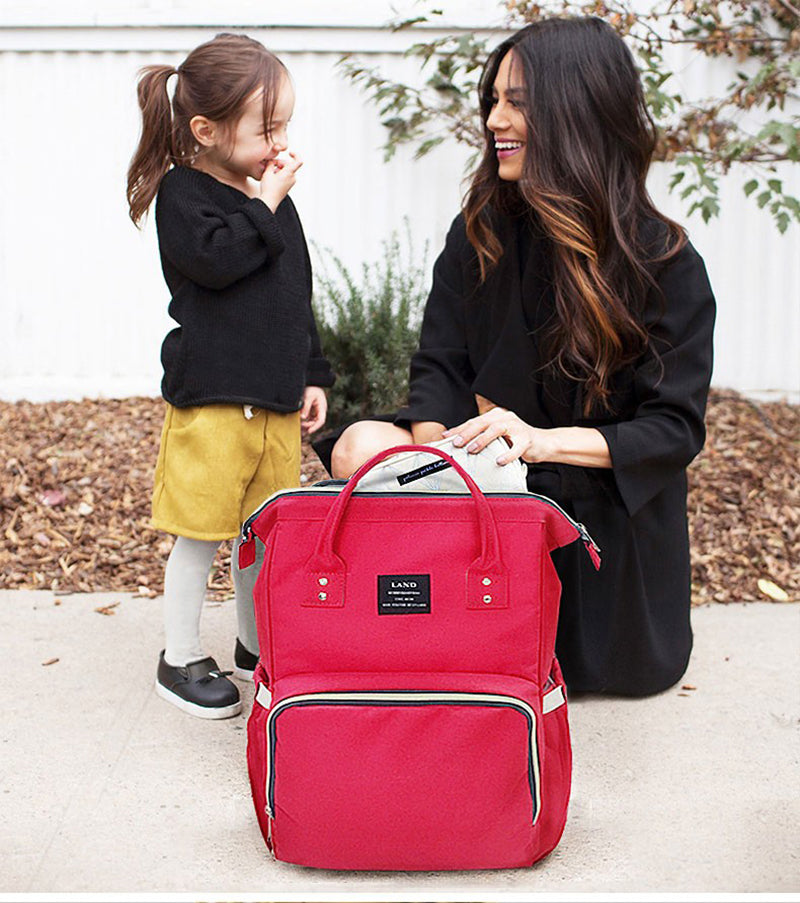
(82, 299)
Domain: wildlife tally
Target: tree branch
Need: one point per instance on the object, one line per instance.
(790, 8)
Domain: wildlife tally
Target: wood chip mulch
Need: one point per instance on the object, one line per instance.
(76, 477)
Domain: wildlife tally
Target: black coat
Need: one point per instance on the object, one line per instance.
(624, 629)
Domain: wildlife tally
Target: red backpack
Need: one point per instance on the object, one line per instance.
(409, 713)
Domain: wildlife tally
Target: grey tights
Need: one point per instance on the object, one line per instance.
(185, 582)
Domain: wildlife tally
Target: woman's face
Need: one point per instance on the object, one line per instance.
(506, 119)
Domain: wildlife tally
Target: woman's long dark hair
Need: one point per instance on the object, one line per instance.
(590, 141)
(215, 80)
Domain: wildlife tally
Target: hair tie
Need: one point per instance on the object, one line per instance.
(171, 88)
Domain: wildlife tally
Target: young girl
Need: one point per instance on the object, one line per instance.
(243, 370)
(572, 317)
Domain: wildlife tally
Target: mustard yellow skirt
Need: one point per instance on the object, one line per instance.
(216, 466)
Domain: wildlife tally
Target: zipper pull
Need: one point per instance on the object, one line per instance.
(247, 548)
(590, 545)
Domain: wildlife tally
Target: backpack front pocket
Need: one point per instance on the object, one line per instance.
(402, 779)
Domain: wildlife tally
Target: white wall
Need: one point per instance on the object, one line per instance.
(82, 300)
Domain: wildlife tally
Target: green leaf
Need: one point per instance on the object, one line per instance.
(763, 199)
(427, 146)
(709, 207)
(793, 205)
(676, 179)
(408, 23)
(750, 187)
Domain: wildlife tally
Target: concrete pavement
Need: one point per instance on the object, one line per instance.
(105, 788)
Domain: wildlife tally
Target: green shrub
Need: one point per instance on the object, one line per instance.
(369, 328)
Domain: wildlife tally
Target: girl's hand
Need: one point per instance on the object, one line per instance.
(525, 441)
(278, 179)
(314, 410)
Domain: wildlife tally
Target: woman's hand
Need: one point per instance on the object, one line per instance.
(525, 441)
(278, 179)
(314, 410)
(577, 445)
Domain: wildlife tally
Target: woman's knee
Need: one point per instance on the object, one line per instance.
(360, 441)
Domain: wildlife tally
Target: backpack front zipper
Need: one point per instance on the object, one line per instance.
(406, 698)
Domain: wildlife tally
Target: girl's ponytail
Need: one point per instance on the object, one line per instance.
(154, 155)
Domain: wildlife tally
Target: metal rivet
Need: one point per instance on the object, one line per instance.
(322, 597)
(487, 599)
(323, 581)
(487, 581)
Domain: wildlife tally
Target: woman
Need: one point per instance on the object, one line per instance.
(568, 315)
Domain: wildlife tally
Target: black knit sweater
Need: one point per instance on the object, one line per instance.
(240, 279)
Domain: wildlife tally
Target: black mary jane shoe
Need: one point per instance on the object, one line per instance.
(244, 662)
(198, 688)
